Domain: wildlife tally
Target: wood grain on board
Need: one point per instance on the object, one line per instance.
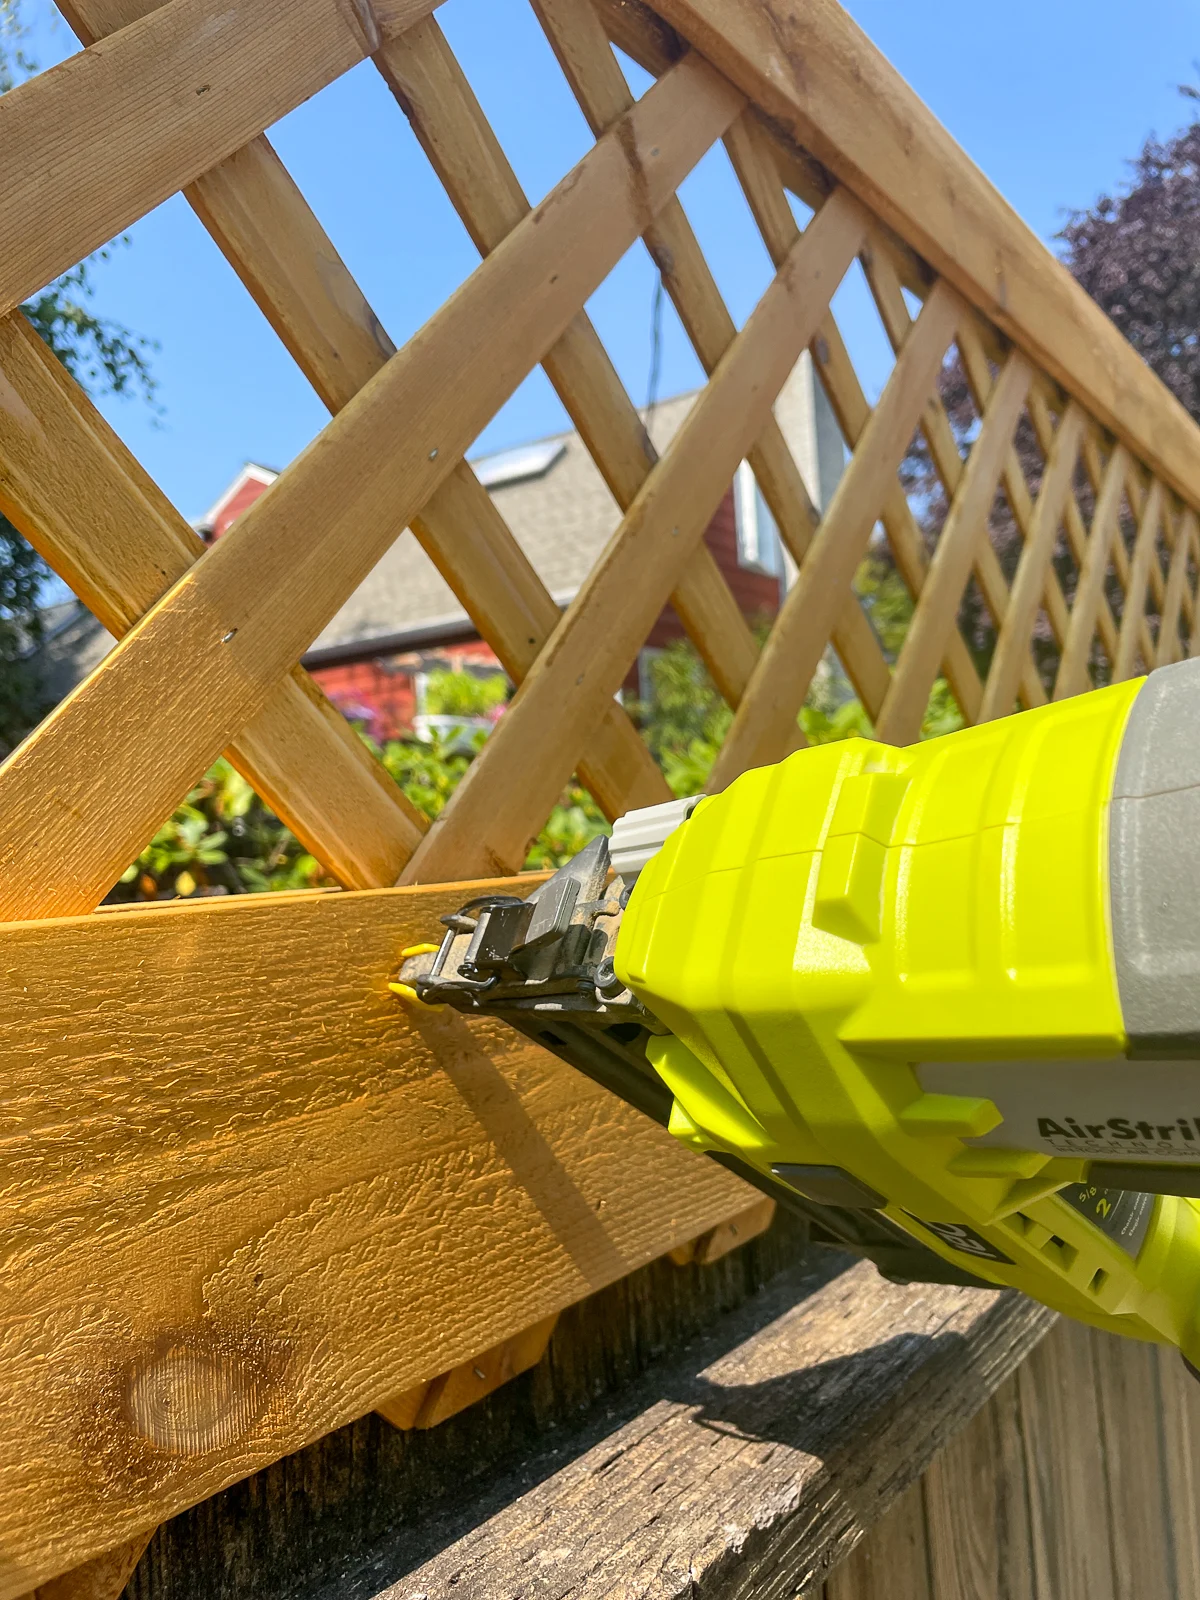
(752, 1470)
(248, 1197)
(96, 142)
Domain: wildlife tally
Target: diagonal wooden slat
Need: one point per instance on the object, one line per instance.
(1076, 530)
(948, 462)
(974, 348)
(1000, 691)
(965, 528)
(523, 765)
(1095, 453)
(797, 641)
(1169, 648)
(86, 504)
(763, 188)
(813, 70)
(207, 657)
(267, 231)
(1160, 567)
(1139, 580)
(899, 522)
(95, 143)
(1136, 488)
(1089, 591)
(575, 32)
(430, 86)
(654, 44)
(263, 225)
(90, 20)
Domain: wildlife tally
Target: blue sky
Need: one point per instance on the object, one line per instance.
(1050, 97)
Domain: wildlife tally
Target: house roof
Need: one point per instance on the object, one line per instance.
(549, 492)
(562, 516)
(229, 505)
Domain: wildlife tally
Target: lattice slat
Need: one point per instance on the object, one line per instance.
(272, 239)
(1089, 592)
(429, 84)
(253, 603)
(765, 195)
(578, 39)
(956, 554)
(1131, 640)
(797, 640)
(1077, 533)
(83, 501)
(169, 97)
(1000, 691)
(1168, 637)
(525, 763)
(949, 466)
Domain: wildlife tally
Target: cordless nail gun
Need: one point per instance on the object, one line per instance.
(944, 1000)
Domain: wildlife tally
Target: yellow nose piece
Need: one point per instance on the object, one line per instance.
(405, 991)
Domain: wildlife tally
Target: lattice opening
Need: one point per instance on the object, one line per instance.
(224, 839)
(832, 708)
(866, 336)
(719, 216)
(977, 625)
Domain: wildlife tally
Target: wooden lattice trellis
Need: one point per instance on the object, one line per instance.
(164, 1253)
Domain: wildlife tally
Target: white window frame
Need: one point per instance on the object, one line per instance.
(758, 546)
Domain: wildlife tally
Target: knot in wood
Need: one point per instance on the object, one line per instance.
(189, 1401)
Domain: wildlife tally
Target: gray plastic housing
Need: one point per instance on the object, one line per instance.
(1154, 866)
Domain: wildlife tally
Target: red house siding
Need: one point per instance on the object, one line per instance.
(756, 593)
(380, 692)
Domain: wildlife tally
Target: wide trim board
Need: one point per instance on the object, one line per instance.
(247, 1196)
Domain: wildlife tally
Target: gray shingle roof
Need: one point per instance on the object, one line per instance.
(562, 518)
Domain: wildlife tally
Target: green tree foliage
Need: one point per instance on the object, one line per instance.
(222, 840)
(106, 359)
(464, 694)
(684, 719)
(1137, 253)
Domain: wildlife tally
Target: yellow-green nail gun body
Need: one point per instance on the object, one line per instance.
(947, 994)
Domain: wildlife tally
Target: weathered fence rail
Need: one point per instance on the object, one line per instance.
(245, 1199)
